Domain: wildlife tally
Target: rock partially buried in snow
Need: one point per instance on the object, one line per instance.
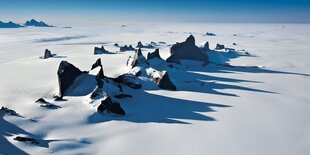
(140, 45)
(26, 139)
(46, 104)
(48, 54)
(187, 50)
(108, 105)
(8, 111)
(126, 48)
(128, 80)
(219, 47)
(67, 73)
(101, 50)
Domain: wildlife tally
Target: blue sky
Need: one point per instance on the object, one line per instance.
(101, 11)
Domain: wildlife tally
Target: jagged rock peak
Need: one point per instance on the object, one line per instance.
(153, 55)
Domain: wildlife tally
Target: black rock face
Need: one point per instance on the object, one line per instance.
(47, 54)
(153, 55)
(67, 73)
(165, 83)
(101, 50)
(98, 64)
(110, 106)
(187, 50)
(234, 44)
(219, 47)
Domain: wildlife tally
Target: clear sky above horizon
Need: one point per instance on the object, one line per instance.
(103, 11)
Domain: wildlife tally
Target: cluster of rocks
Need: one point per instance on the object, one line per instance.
(140, 66)
(101, 50)
(125, 48)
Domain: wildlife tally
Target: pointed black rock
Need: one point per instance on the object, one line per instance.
(138, 59)
(206, 47)
(98, 64)
(153, 55)
(67, 73)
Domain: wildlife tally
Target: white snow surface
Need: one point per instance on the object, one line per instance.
(216, 109)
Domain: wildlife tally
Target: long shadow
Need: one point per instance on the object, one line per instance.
(8, 130)
(147, 107)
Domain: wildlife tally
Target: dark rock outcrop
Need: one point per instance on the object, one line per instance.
(153, 55)
(110, 106)
(140, 45)
(234, 44)
(187, 50)
(46, 104)
(35, 23)
(101, 50)
(165, 82)
(26, 139)
(9, 25)
(98, 64)
(210, 34)
(8, 111)
(126, 48)
(219, 47)
(138, 59)
(206, 47)
(67, 73)
(48, 54)
(128, 80)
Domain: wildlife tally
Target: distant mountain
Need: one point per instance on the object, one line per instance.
(9, 25)
(35, 23)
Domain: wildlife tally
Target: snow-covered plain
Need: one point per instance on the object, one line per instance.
(216, 109)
